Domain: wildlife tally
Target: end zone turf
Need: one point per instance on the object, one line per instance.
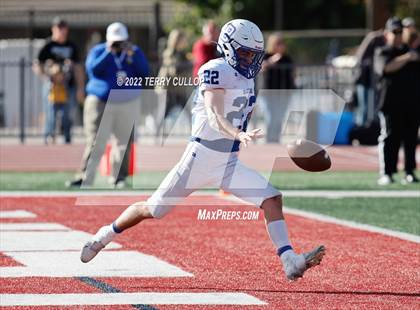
(361, 270)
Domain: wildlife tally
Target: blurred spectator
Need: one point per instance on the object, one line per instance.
(413, 41)
(174, 64)
(58, 64)
(205, 48)
(278, 69)
(108, 66)
(398, 69)
(409, 27)
(365, 78)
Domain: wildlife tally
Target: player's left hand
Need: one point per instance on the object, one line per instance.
(246, 137)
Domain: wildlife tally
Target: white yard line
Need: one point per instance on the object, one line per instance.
(352, 194)
(40, 250)
(288, 193)
(32, 226)
(79, 193)
(15, 214)
(150, 298)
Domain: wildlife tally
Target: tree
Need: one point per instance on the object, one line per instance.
(198, 12)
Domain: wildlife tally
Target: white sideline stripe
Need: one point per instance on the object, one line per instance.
(129, 299)
(351, 224)
(342, 194)
(352, 194)
(46, 241)
(16, 214)
(32, 226)
(290, 193)
(334, 220)
(83, 193)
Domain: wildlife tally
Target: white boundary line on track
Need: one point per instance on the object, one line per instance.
(207, 299)
(352, 194)
(287, 193)
(346, 223)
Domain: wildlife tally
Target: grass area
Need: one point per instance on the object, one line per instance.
(37, 181)
(150, 180)
(402, 214)
(335, 181)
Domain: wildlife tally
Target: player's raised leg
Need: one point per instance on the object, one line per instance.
(133, 215)
(176, 186)
(294, 265)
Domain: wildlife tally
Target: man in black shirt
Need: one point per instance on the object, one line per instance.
(365, 79)
(399, 100)
(58, 64)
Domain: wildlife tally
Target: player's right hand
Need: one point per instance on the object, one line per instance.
(246, 137)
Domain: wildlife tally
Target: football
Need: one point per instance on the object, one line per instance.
(309, 155)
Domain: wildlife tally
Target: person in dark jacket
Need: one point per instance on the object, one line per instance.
(365, 78)
(395, 64)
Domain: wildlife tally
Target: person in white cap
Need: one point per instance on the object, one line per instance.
(108, 66)
(409, 27)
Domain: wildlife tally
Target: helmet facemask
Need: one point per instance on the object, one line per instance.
(230, 53)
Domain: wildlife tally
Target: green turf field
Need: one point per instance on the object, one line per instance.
(150, 180)
(402, 214)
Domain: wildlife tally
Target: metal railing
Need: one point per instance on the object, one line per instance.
(22, 107)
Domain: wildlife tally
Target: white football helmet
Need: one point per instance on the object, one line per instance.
(245, 35)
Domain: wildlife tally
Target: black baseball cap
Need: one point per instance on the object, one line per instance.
(393, 23)
(60, 22)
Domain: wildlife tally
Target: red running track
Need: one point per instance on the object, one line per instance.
(265, 157)
(361, 270)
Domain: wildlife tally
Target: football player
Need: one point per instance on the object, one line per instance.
(224, 104)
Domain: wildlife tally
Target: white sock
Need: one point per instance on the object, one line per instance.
(105, 234)
(277, 230)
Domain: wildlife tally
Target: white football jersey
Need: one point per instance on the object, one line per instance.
(239, 99)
